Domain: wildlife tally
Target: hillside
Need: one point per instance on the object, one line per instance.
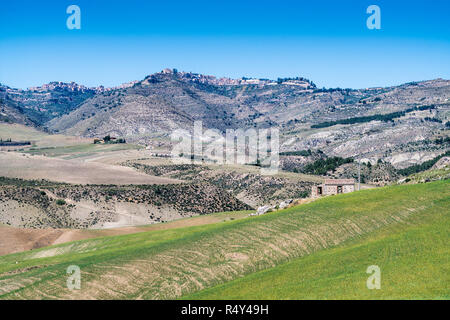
(413, 259)
(399, 125)
(246, 182)
(22, 239)
(172, 263)
(41, 104)
(44, 204)
(10, 111)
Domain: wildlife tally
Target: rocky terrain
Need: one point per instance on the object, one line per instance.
(69, 183)
(397, 124)
(253, 189)
(44, 204)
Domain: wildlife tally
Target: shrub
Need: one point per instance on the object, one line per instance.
(60, 202)
(322, 166)
(379, 117)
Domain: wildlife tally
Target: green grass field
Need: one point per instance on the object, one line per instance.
(318, 250)
(414, 260)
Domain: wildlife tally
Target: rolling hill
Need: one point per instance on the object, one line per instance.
(413, 259)
(399, 124)
(403, 228)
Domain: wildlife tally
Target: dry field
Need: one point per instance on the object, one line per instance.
(15, 165)
(18, 132)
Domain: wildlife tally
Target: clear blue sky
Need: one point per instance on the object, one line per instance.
(325, 41)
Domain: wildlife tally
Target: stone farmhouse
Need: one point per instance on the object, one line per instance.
(333, 186)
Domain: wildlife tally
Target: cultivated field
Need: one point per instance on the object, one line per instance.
(18, 132)
(413, 259)
(360, 229)
(14, 240)
(17, 165)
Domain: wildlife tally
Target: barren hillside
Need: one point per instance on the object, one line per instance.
(396, 124)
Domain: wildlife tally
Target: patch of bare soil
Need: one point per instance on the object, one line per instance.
(17, 240)
(16, 165)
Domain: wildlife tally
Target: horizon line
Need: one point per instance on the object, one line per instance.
(216, 77)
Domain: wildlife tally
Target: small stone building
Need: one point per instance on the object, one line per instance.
(333, 186)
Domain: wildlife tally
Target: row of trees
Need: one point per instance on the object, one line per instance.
(322, 166)
(423, 166)
(379, 117)
(303, 153)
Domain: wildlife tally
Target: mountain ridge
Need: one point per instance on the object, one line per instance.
(397, 124)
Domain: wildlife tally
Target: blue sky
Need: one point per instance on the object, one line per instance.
(325, 41)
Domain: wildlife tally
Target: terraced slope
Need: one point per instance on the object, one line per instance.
(14, 240)
(172, 263)
(414, 261)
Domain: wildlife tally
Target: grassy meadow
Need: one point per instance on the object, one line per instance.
(414, 260)
(317, 250)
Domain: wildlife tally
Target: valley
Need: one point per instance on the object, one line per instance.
(209, 256)
(96, 185)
